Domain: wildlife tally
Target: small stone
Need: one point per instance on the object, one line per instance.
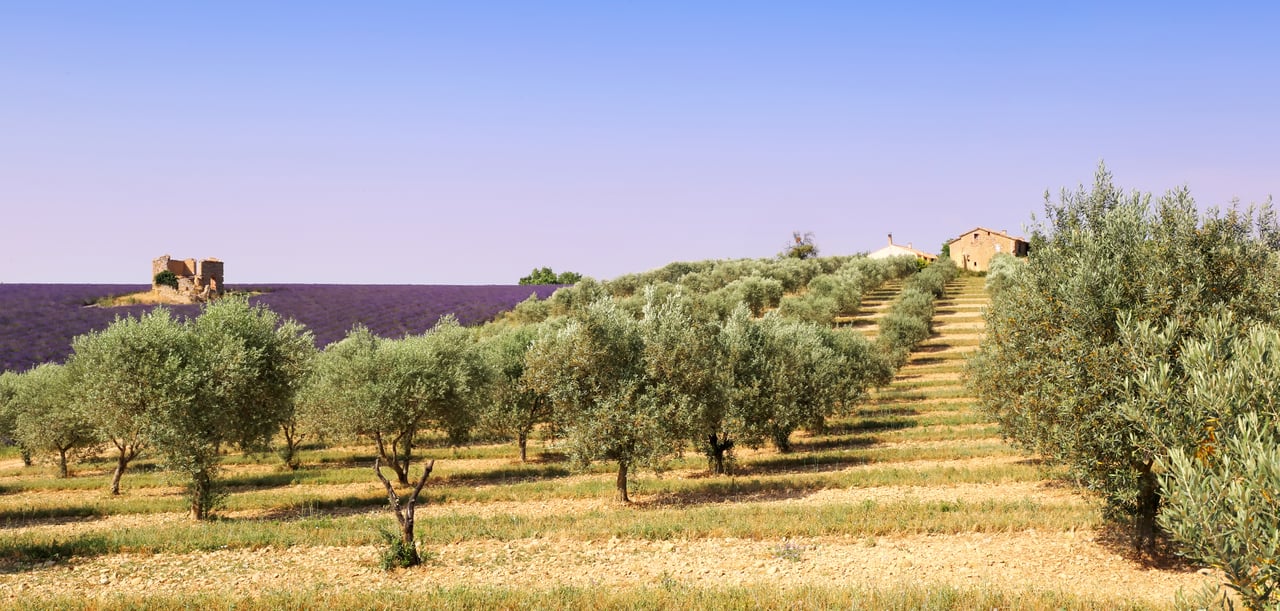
(1205, 571)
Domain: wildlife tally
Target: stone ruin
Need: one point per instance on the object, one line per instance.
(197, 280)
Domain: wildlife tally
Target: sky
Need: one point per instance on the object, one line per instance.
(469, 142)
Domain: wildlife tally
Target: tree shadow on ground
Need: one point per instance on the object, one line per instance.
(1120, 539)
(927, 348)
(79, 515)
(800, 463)
(879, 412)
(832, 442)
(730, 489)
(870, 425)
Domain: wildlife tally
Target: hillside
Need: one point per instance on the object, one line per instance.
(914, 497)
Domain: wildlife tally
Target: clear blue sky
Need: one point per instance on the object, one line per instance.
(419, 142)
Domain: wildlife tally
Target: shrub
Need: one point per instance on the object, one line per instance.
(810, 307)
(166, 278)
(395, 553)
(1003, 271)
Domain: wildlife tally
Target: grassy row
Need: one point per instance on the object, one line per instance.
(847, 435)
(657, 523)
(793, 474)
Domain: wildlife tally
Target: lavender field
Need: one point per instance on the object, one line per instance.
(37, 321)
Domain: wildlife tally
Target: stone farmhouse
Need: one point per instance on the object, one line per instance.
(898, 250)
(974, 249)
(197, 280)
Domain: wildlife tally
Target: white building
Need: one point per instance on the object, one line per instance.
(898, 250)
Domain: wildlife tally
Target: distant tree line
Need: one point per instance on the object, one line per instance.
(546, 276)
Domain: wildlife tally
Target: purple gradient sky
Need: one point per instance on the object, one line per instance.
(418, 143)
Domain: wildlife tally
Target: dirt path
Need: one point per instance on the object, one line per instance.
(1066, 561)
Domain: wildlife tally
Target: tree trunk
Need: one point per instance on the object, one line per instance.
(782, 441)
(122, 461)
(622, 482)
(1148, 507)
(405, 513)
(62, 463)
(402, 473)
(201, 494)
(523, 440)
(289, 453)
(391, 459)
(718, 447)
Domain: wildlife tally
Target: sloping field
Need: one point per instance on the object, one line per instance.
(912, 502)
(38, 321)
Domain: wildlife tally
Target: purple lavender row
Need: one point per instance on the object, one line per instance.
(38, 321)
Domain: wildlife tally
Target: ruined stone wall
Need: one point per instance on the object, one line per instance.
(196, 279)
(210, 269)
(158, 265)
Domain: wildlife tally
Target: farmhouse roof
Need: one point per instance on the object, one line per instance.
(894, 250)
(964, 233)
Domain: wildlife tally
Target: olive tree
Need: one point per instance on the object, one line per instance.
(782, 375)
(686, 360)
(594, 370)
(9, 413)
(125, 372)
(236, 371)
(392, 390)
(807, 373)
(47, 420)
(515, 409)
(1052, 367)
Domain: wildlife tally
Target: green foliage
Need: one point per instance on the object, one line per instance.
(127, 373)
(390, 391)
(8, 408)
(1209, 417)
(686, 361)
(226, 378)
(1003, 271)
(166, 278)
(813, 308)
(908, 321)
(802, 247)
(570, 298)
(546, 276)
(594, 372)
(395, 553)
(45, 419)
(1054, 370)
(787, 374)
(514, 409)
(531, 310)
(1223, 508)
(758, 293)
